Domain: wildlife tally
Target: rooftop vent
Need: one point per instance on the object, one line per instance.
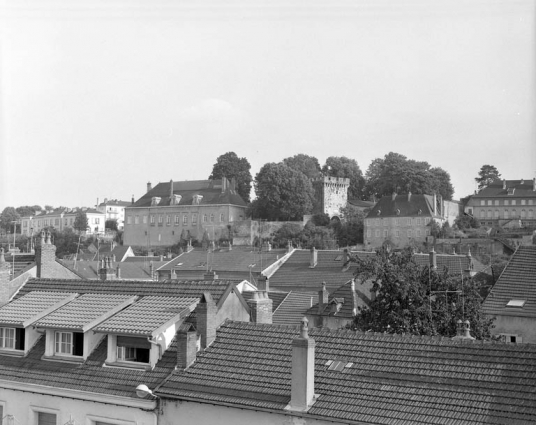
(516, 303)
(338, 365)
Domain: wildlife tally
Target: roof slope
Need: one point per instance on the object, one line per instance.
(392, 379)
(129, 270)
(455, 264)
(403, 206)
(517, 282)
(352, 299)
(186, 289)
(522, 188)
(29, 306)
(211, 191)
(287, 307)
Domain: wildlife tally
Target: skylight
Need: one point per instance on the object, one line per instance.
(338, 365)
(516, 303)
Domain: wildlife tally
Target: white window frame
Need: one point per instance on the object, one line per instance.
(58, 344)
(129, 219)
(506, 338)
(194, 219)
(152, 219)
(144, 219)
(136, 219)
(185, 219)
(35, 410)
(4, 338)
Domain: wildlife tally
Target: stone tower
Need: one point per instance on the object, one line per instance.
(331, 194)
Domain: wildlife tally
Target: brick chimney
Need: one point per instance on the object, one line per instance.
(263, 283)
(323, 298)
(45, 256)
(132, 199)
(186, 345)
(433, 259)
(206, 319)
(313, 260)
(171, 189)
(106, 270)
(149, 186)
(260, 307)
(302, 394)
(5, 277)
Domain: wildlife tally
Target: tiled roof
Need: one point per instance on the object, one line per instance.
(455, 264)
(82, 311)
(350, 301)
(88, 376)
(210, 190)
(360, 204)
(29, 306)
(517, 282)
(147, 315)
(20, 262)
(136, 270)
(238, 259)
(523, 188)
(186, 289)
(297, 275)
(403, 207)
(287, 307)
(392, 379)
(119, 251)
(115, 202)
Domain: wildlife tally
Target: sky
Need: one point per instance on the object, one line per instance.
(97, 98)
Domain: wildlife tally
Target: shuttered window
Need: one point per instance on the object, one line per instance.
(46, 418)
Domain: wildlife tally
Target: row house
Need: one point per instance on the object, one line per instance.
(114, 210)
(61, 219)
(403, 219)
(183, 210)
(503, 201)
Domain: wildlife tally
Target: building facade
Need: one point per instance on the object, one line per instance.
(114, 210)
(185, 210)
(61, 219)
(331, 194)
(504, 201)
(406, 219)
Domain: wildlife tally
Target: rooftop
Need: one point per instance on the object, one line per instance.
(403, 206)
(508, 188)
(30, 306)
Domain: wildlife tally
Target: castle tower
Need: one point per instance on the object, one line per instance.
(331, 194)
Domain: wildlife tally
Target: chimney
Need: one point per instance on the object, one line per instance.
(151, 269)
(435, 204)
(173, 274)
(463, 330)
(106, 271)
(45, 256)
(118, 272)
(433, 259)
(210, 275)
(409, 196)
(260, 307)
(186, 345)
(303, 371)
(313, 258)
(346, 256)
(263, 283)
(534, 184)
(393, 196)
(149, 186)
(171, 189)
(223, 184)
(206, 319)
(323, 298)
(233, 184)
(5, 278)
(504, 183)
(132, 199)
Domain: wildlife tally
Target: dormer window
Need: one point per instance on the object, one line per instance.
(197, 199)
(68, 344)
(133, 349)
(12, 338)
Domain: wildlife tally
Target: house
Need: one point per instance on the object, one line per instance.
(503, 201)
(512, 300)
(114, 210)
(17, 270)
(228, 262)
(265, 374)
(62, 218)
(76, 351)
(406, 219)
(185, 210)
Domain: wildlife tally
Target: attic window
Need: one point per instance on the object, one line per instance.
(338, 258)
(379, 212)
(397, 211)
(338, 365)
(516, 303)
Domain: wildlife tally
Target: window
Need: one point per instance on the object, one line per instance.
(523, 214)
(129, 219)
(97, 220)
(385, 233)
(69, 343)
(523, 202)
(427, 220)
(506, 202)
(418, 233)
(222, 217)
(513, 202)
(133, 349)
(505, 214)
(194, 219)
(530, 201)
(205, 218)
(531, 214)
(152, 219)
(397, 233)
(137, 219)
(496, 202)
(168, 220)
(482, 214)
(377, 233)
(46, 418)
(57, 221)
(409, 233)
(489, 201)
(489, 213)
(514, 213)
(482, 202)
(396, 222)
(66, 221)
(409, 221)
(185, 219)
(160, 219)
(144, 219)
(177, 221)
(511, 339)
(496, 214)
(212, 218)
(7, 338)
(418, 221)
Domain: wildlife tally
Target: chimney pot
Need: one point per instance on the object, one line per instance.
(313, 258)
(504, 183)
(149, 186)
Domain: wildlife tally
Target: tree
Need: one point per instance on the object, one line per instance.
(111, 224)
(396, 173)
(81, 221)
(27, 211)
(466, 221)
(418, 301)
(229, 165)
(7, 217)
(341, 166)
(486, 175)
(49, 208)
(320, 219)
(282, 193)
(308, 165)
(349, 231)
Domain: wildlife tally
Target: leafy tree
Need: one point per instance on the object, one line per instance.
(26, 211)
(467, 222)
(292, 232)
(341, 166)
(66, 241)
(282, 193)
(309, 236)
(7, 217)
(486, 175)
(111, 224)
(396, 173)
(349, 231)
(231, 166)
(418, 301)
(49, 208)
(308, 165)
(321, 219)
(81, 222)
(435, 228)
